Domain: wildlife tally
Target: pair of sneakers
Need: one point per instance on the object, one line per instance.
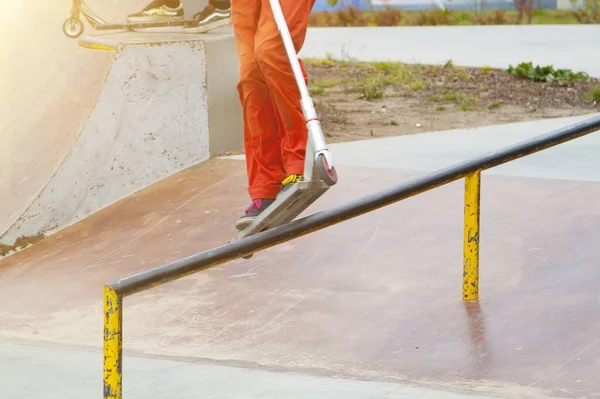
(165, 11)
(260, 204)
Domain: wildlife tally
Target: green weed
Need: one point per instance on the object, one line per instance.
(467, 103)
(326, 83)
(417, 85)
(526, 70)
(372, 89)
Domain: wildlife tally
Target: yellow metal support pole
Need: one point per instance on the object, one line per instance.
(471, 237)
(113, 344)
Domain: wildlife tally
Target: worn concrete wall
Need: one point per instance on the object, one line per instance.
(165, 106)
(225, 117)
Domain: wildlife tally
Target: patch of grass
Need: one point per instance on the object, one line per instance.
(440, 108)
(403, 75)
(417, 85)
(467, 103)
(494, 105)
(449, 96)
(386, 66)
(449, 65)
(326, 83)
(592, 95)
(328, 61)
(316, 91)
(526, 70)
(486, 70)
(391, 16)
(372, 89)
(460, 75)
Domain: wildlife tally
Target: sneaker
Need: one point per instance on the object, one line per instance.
(157, 12)
(255, 209)
(291, 179)
(212, 17)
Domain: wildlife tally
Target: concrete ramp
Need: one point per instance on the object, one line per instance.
(118, 122)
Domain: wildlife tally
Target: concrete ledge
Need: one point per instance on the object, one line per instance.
(169, 101)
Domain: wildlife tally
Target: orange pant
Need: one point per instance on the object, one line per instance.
(275, 133)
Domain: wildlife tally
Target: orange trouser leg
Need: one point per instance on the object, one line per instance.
(274, 128)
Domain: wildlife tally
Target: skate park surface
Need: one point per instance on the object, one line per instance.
(370, 308)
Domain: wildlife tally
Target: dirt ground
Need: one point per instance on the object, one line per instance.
(358, 101)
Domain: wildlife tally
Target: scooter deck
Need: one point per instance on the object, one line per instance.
(288, 205)
(111, 40)
(181, 26)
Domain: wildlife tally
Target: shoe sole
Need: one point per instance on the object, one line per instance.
(196, 27)
(243, 222)
(154, 19)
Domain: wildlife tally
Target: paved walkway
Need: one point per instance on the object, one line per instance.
(574, 160)
(564, 46)
(77, 375)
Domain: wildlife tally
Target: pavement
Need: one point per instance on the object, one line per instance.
(574, 160)
(370, 308)
(157, 378)
(564, 46)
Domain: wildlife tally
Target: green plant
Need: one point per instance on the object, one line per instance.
(467, 103)
(326, 83)
(486, 70)
(372, 89)
(449, 96)
(592, 95)
(460, 75)
(417, 85)
(526, 70)
(386, 66)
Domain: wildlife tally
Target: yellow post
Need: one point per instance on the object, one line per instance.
(471, 237)
(113, 344)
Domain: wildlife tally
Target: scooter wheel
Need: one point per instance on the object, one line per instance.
(73, 28)
(326, 173)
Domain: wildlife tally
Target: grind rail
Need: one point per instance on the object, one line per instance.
(115, 292)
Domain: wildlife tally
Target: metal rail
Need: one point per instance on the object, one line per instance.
(470, 169)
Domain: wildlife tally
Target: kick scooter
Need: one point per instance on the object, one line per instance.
(319, 171)
(73, 26)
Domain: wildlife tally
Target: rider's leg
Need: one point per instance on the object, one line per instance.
(275, 66)
(261, 131)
